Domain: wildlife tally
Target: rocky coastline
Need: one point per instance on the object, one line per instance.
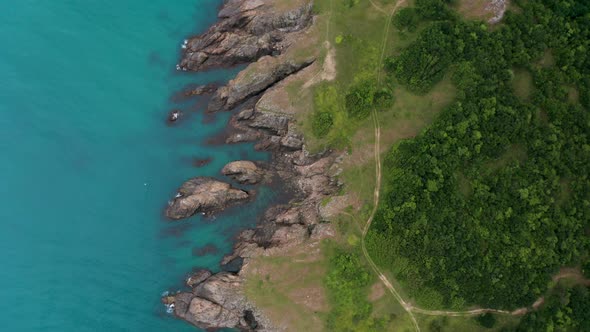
(258, 32)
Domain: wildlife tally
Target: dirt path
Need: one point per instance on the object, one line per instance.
(377, 190)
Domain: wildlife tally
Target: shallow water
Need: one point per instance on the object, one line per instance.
(88, 163)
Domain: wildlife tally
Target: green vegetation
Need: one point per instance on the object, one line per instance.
(364, 96)
(326, 105)
(406, 19)
(346, 283)
(565, 309)
(472, 213)
(424, 63)
(322, 123)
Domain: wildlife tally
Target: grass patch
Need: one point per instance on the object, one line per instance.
(522, 84)
(547, 60)
(515, 153)
(289, 289)
(465, 187)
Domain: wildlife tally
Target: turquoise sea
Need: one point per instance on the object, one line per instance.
(88, 163)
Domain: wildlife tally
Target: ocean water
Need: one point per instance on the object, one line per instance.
(88, 163)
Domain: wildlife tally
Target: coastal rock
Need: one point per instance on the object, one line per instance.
(245, 114)
(198, 277)
(243, 171)
(247, 30)
(217, 302)
(309, 212)
(268, 143)
(292, 140)
(289, 236)
(197, 162)
(201, 90)
(289, 217)
(322, 231)
(203, 194)
(256, 78)
(207, 314)
(243, 136)
(234, 265)
(314, 180)
(277, 124)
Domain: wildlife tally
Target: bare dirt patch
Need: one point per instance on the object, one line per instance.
(328, 71)
(377, 291)
(491, 11)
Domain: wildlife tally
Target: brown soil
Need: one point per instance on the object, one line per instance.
(377, 291)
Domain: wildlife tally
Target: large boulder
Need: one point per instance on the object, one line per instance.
(205, 195)
(243, 171)
(217, 302)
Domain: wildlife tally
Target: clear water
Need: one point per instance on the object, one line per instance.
(88, 163)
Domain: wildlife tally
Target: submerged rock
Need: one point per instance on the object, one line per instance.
(243, 171)
(203, 194)
(201, 90)
(174, 115)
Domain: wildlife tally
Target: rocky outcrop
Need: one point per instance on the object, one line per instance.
(198, 277)
(275, 123)
(215, 302)
(246, 31)
(204, 195)
(243, 171)
(256, 78)
(498, 8)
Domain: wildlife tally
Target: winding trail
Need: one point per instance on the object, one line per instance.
(376, 192)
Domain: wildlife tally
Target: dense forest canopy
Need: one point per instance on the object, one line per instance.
(490, 201)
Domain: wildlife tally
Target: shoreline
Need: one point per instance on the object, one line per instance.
(217, 300)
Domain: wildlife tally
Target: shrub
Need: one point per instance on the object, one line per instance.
(364, 96)
(406, 19)
(321, 123)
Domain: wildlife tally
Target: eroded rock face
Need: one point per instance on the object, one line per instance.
(203, 194)
(277, 124)
(292, 140)
(243, 171)
(256, 78)
(247, 30)
(198, 277)
(217, 302)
